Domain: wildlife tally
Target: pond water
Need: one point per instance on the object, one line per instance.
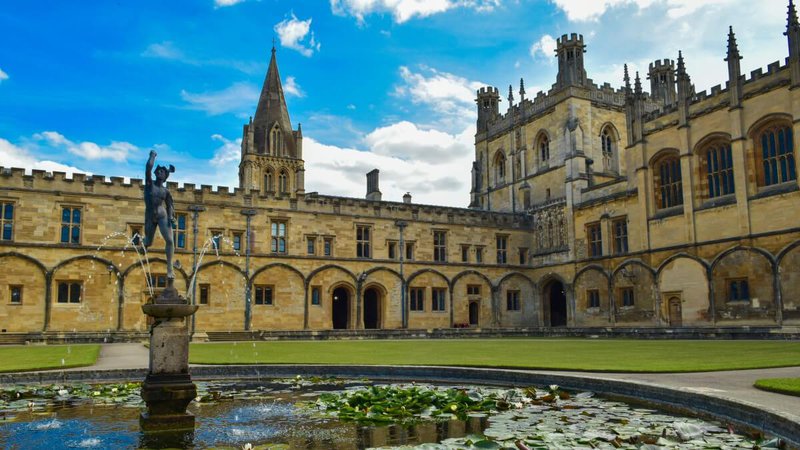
(305, 414)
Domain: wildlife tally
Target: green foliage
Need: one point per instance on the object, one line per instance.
(19, 397)
(20, 358)
(788, 386)
(621, 355)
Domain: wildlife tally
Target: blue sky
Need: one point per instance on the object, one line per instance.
(92, 86)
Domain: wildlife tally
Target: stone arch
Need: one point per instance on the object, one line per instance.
(666, 178)
(28, 277)
(517, 306)
(424, 271)
(463, 299)
(430, 282)
(609, 147)
(713, 172)
(541, 146)
(96, 308)
(277, 298)
(592, 302)
(499, 163)
(767, 120)
(772, 130)
(789, 282)
(391, 305)
(556, 300)
(684, 277)
(337, 309)
(635, 282)
(374, 298)
(743, 285)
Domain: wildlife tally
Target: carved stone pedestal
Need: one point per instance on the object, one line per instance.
(168, 389)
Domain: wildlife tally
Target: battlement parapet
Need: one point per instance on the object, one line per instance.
(572, 39)
(488, 91)
(661, 65)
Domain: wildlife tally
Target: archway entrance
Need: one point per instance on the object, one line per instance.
(372, 315)
(474, 313)
(340, 309)
(556, 295)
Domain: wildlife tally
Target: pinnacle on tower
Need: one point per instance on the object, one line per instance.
(626, 78)
(681, 66)
(521, 90)
(637, 84)
(510, 96)
(733, 49)
(791, 20)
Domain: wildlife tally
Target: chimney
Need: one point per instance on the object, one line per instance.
(373, 192)
(407, 198)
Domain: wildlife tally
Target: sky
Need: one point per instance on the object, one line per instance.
(93, 86)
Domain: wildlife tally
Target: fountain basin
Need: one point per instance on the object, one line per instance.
(168, 311)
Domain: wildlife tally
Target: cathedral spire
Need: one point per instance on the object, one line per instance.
(272, 103)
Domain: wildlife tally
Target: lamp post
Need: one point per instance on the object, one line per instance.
(248, 213)
(401, 224)
(195, 209)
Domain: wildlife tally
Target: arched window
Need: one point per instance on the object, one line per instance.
(543, 144)
(282, 182)
(775, 149)
(500, 167)
(268, 180)
(608, 148)
(717, 164)
(276, 142)
(668, 182)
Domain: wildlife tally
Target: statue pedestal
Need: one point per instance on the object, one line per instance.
(168, 389)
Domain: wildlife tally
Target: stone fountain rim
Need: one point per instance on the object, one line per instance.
(715, 405)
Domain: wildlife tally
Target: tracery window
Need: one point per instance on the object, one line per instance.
(268, 180)
(543, 144)
(718, 167)
(282, 182)
(500, 167)
(776, 151)
(608, 148)
(668, 182)
(276, 142)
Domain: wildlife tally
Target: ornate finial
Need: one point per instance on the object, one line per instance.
(273, 44)
(510, 95)
(638, 84)
(681, 67)
(626, 77)
(791, 20)
(733, 49)
(521, 87)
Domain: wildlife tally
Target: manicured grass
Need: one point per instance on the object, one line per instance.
(601, 355)
(788, 386)
(20, 358)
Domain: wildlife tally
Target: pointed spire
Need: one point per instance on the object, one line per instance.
(299, 129)
(272, 103)
(510, 96)
(791, 19)
(521, 90)
(637, 84)
(681, 66)
(626, 78)
(733, 49)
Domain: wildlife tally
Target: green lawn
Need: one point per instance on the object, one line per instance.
(602, 355)
(789, 386)
(19, 358)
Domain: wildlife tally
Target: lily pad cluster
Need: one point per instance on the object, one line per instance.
(20, 397)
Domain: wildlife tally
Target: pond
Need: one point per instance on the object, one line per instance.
(327, 414)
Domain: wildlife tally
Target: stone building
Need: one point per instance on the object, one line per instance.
(590, 207)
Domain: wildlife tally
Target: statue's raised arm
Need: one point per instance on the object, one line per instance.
(148, 168)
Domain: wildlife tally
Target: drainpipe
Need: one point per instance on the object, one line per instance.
(248, 213)
(403, 316)
(195, 209)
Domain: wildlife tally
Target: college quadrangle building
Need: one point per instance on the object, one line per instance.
(590, 207)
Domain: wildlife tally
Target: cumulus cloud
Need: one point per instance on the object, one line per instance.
(404, 140)
(404, 10)
(115, 151)
(452, 97)
(290, 87)
(544, 48)
(228, 152)
(592, 10)
(224, 3)
(13, 155)
(297, 35)
(3, 76)
(237, 98)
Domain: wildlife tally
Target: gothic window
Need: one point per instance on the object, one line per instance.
(668, 182)
(543, 144)
(717, 163)
(608, 147)
(500, 167)
(268, 181)
(283, 182)
(775, 149)
(276, 142)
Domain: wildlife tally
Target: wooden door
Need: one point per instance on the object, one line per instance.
(675, 312)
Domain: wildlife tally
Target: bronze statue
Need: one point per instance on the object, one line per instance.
(159, 209)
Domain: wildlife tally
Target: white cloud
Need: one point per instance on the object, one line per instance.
(290, 87)
(224, 3)
(403, 10)
(13, 155)
(163, 50)
(227, 153)
(237, 98)
(116, 151)
(3, 76)
(168, 51)
(452, 97)
(297, 35)
(544, 48)
(405, 141)
(592, 10)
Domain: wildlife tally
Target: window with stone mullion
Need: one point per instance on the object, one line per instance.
(719, 168)
(777, 154)
(6, 221)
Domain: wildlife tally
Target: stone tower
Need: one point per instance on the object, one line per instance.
(272, 152)
(569, 51)
(488, 106)
(662, 81)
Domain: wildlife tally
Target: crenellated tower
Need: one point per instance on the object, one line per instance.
(569, 51)
(272, 152)
(661, 74)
